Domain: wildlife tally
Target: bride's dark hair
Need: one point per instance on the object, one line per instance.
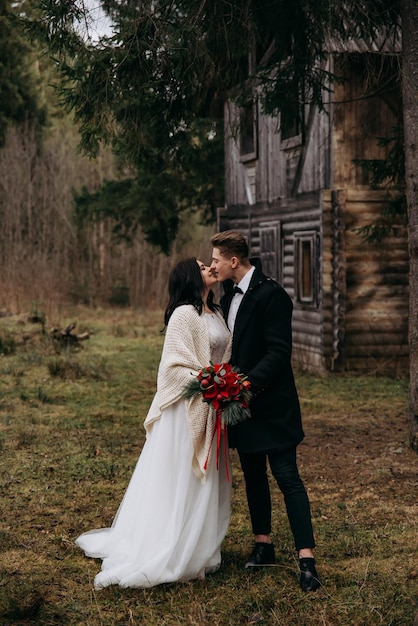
(186, 286)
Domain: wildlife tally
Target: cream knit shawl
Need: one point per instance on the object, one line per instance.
(186, 350)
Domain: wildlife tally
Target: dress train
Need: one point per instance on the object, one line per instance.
(170, 524)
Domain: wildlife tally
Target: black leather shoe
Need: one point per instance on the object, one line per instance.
(309, 580)
(262, 554)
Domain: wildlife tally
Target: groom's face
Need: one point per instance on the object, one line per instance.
(222, 267)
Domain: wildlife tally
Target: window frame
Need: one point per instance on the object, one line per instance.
(250, 155)
(274, 230)
(300, 239)
(288, 139)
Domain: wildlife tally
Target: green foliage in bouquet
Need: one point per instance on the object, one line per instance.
(225, 388)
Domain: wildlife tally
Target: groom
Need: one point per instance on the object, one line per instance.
(259, 313)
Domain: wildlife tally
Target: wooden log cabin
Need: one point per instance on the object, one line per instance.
(296, 190)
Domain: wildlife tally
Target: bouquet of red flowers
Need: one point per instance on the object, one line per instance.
(226, 389)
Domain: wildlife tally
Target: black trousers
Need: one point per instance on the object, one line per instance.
(284, 469)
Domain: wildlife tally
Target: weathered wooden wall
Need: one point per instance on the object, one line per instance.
(289, 218)
(360, 119)
(280, 169)
(375, 306)
(358, 319)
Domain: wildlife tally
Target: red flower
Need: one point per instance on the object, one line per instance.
(225, 389)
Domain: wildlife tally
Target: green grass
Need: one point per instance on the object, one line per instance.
(70, 435)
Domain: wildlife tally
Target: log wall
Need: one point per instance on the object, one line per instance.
(293, 216)
(359, 321)
(373, 313)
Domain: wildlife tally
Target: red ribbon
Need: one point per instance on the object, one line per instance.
(218, 429)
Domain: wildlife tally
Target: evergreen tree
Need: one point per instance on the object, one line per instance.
(155, 86)
(20, 84)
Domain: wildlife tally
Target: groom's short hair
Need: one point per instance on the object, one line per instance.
(231, 243)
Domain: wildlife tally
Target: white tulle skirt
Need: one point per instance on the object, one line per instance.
(170, 524)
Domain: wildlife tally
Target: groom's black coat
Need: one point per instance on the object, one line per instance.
(261, 348)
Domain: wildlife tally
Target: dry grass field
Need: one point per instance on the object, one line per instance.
(71, 432)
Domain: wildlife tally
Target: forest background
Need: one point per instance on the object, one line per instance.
(54, 251)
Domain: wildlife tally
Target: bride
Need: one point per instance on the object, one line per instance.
(176, 509)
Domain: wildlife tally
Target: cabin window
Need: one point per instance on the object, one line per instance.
(305, 267)
(270, 249)
(291, 120)
(248, 132)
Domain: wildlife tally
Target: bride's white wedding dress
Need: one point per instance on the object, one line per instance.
(170, 524)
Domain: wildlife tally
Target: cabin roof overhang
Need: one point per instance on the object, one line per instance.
(387, 41)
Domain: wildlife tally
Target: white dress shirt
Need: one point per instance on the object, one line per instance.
(237, 297)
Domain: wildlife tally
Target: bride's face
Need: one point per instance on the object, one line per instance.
(208, 278)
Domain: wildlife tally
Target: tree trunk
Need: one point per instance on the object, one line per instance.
(409, 11)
